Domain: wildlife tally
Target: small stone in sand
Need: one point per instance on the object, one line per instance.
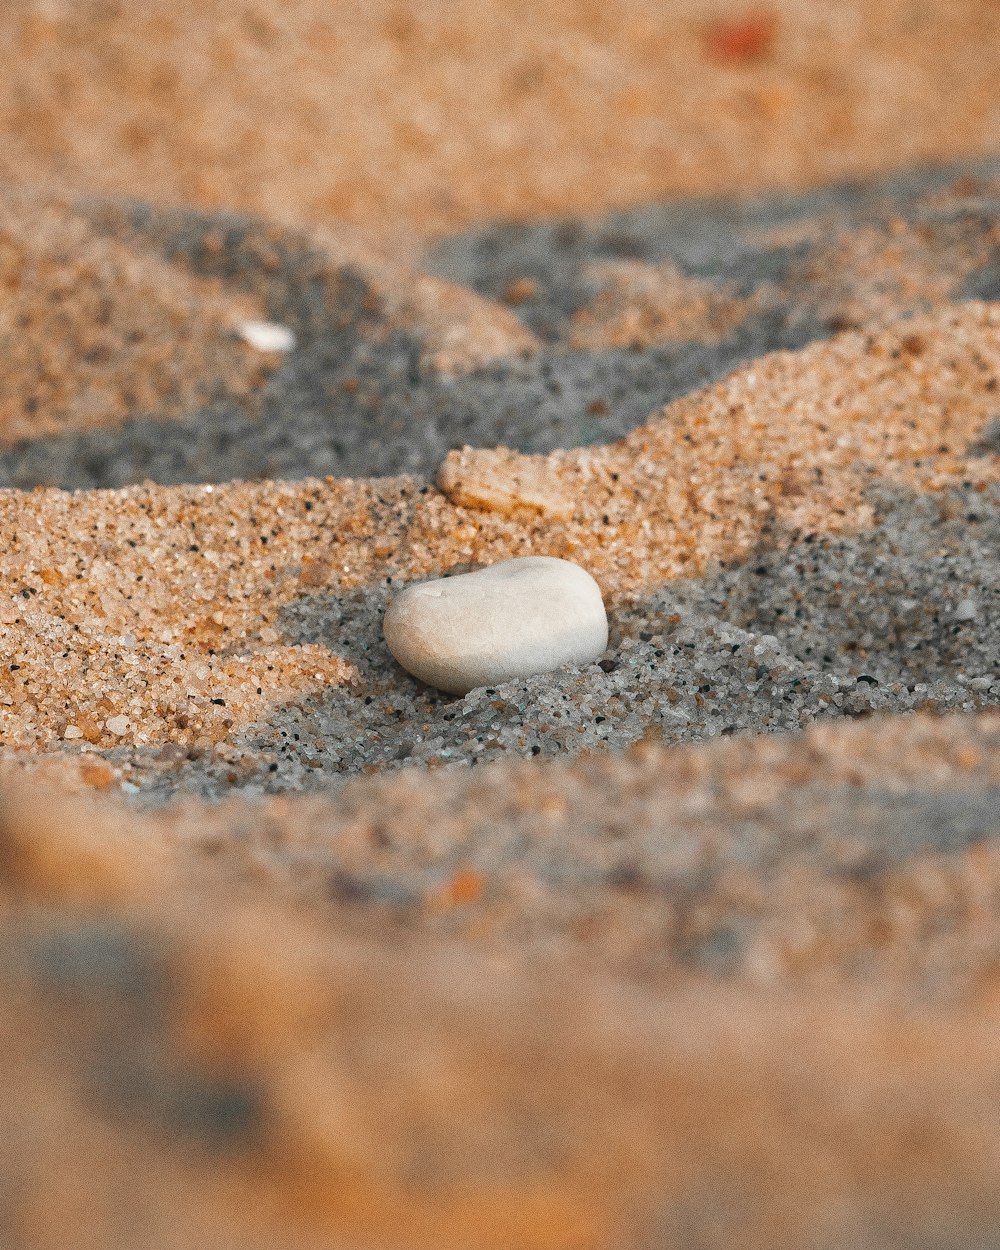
(513, 619)
(267, 336)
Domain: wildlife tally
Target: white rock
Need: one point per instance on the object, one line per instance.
(267, 336)
(117, 725)
(966, 610)
(513, 619)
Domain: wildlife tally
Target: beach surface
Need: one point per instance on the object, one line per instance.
(696, 946)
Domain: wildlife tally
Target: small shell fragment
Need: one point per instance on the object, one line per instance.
(267, 336)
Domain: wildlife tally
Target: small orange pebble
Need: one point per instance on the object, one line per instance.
(89, 727)
(466, 886)
(99, 776)
(741, 41)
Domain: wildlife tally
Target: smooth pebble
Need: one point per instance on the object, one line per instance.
(513, 619)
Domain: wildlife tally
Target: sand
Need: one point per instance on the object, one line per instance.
(365, 1022)
(404, 118)
(693, 946)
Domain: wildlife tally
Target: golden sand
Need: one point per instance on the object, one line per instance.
(91, 333)
(422, 118)
(128, 615)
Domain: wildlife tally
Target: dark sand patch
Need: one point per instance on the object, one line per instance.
(393, 369)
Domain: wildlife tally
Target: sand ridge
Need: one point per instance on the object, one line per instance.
(161, 603)
(91, 333)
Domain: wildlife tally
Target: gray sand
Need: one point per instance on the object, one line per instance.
(392, 417)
